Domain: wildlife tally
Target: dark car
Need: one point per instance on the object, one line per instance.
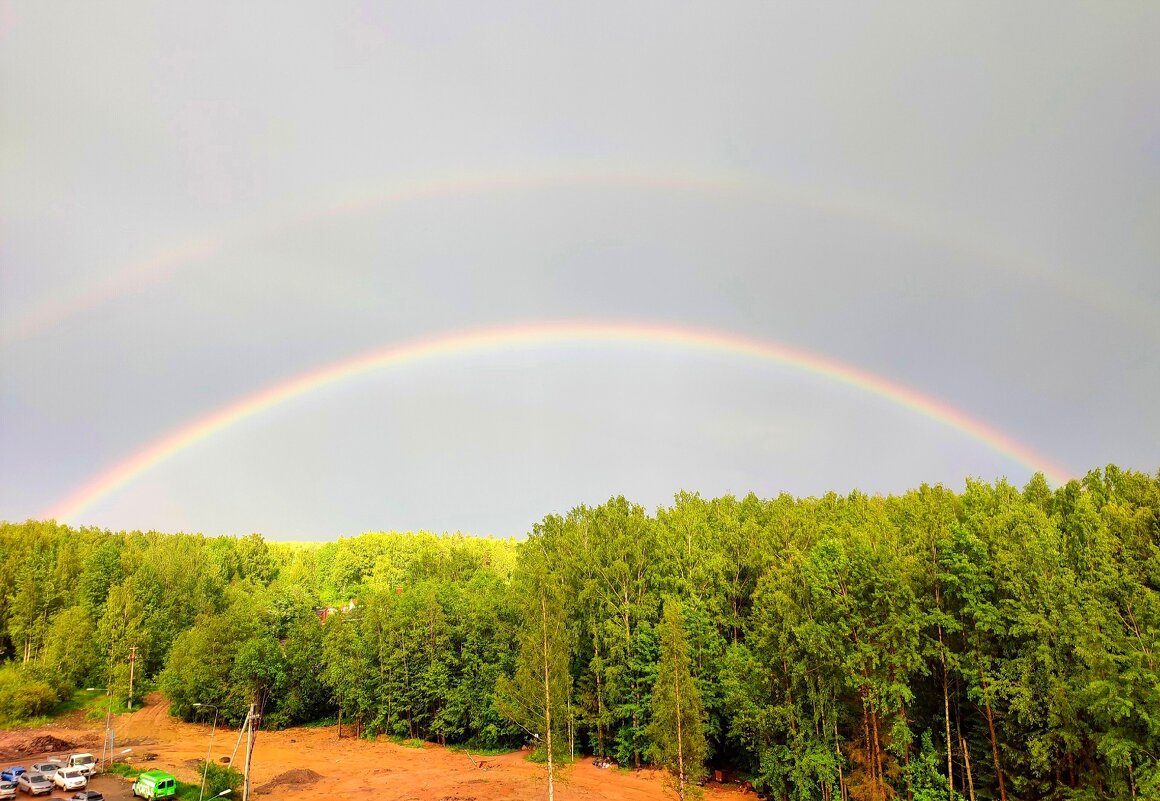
(87, 795)
(13, 773)
(34, 784)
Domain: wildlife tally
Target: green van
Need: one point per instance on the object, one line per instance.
(155, 784)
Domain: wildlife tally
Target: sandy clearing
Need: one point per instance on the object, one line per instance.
(351, 767)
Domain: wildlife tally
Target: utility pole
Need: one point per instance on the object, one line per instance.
(251, 722)
(132, 664)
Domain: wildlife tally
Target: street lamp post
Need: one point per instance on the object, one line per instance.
(208, 753)
(108, 745)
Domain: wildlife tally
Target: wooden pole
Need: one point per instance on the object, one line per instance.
(132, 664)
(249, 753)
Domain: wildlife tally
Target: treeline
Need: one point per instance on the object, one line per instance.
(993, 643)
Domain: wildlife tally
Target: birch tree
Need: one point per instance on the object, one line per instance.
(678, 728)
(536, 697)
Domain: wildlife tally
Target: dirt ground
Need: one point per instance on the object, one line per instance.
(300, 764)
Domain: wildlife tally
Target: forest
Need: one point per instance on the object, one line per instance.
(992, 643)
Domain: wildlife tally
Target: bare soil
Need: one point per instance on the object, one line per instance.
(312, 763)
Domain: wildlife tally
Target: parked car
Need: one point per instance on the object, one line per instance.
(70, 779)
(34, 783)
(13, 773)
(85, 762)
(87, 795)
(7, 789)
(48, 767)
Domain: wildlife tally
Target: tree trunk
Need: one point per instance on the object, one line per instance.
(680, 738)
(878, 754)
(942, 654)
(866, 737)
(959, 734)
(906, 756)
(599, 701)
(841, 775)
(994, 739)
(789, 698)
(635, 724)
(547, 698)
(407, 685)
(967, 765)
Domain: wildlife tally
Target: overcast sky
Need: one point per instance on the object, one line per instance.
(198, 201)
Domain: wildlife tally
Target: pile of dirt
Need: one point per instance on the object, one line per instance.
(299, 777)
(44, 744)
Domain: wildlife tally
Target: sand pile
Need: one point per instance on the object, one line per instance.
(299, 777)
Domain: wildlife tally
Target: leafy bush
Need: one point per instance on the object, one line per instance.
(24, 694)
(219, 778)
(122, 769)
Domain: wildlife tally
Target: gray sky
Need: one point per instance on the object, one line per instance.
(199, 202)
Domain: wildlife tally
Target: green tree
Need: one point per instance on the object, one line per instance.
(70, 653)
(536, 697)
(677, 730)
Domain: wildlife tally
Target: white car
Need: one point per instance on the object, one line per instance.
(70, 779)
(7, 789)
(47, 767)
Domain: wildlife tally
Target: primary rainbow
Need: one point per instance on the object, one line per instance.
(543, 334)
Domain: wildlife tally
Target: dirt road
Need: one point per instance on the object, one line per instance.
(311, 763)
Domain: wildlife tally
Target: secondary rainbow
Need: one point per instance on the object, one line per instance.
(256, 227)
(539, 335)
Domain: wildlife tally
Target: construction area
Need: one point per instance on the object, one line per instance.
(312, 762)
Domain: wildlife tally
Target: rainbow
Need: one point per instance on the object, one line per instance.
(879, 212)
(539, 335)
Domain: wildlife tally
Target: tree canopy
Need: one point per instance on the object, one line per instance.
(992, 643)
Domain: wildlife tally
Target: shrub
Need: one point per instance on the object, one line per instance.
(24, 694)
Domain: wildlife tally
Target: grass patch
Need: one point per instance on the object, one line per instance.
(97, 704)
(74, 703)
(186, 791)
(407, 742)
(540, 757)
(475, 750)
(79, 700)
(123, 769)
